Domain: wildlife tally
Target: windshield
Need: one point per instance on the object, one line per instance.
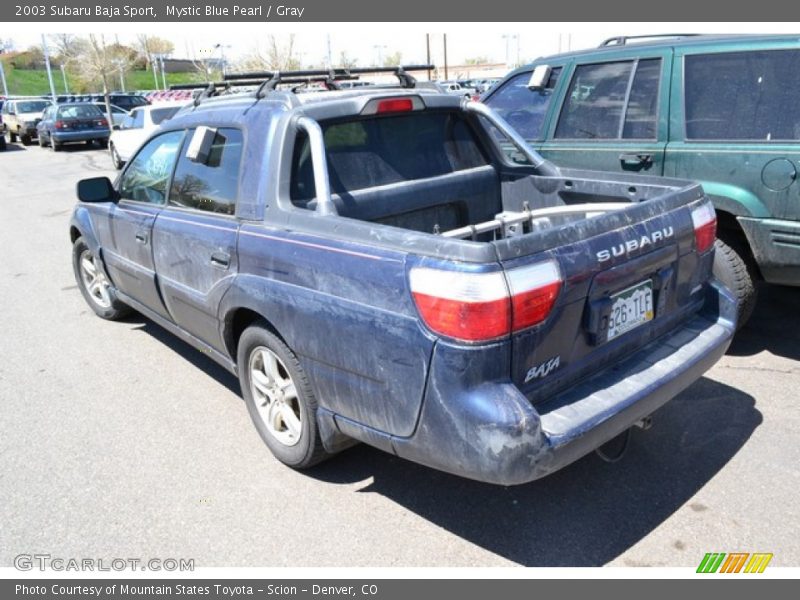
(162, 114)
(32, 106)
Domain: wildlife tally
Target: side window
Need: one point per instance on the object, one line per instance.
(595, 105)
(524, 109)
(742, 96)
(595, 100)
(212, 185)
(641, 114)
(138, 119)
(147, 176)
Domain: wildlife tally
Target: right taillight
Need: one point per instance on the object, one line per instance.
(480, 307)
(704, 220)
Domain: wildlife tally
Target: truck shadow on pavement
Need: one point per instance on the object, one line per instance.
(588, 513)
(774, 326)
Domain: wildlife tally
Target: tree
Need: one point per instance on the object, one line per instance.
(99, 62)
(277, 55)
(393, 59)
(346, 61)
(149, 46)
(66, 46)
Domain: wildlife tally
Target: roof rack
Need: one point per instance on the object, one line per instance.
(621, 40)
(269, 80)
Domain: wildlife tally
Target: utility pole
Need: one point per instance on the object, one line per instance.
(330, 55)
(428, 52)
(445, 58)
(64, 76)
(47, 66)
(154, 66)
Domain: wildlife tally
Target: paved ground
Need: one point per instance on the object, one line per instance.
(117, 440)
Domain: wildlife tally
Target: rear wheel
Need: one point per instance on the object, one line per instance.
(115, 159)
(54, 145)
(95, 287)
(103, 143)
(26, 139)
(731, 268)
(279, 398)
(2, 142)
(12, 137)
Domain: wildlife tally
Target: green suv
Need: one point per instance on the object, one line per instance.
(722, 110)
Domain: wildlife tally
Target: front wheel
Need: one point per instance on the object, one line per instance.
(732, 270)
(279, 398)
(115, 159)
(26, 139)
(95, 287)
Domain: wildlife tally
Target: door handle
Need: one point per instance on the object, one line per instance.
(141, 237)
(221, 259)
(635, 159)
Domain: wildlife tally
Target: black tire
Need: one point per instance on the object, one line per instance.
(26, 139)
(307, 450)
(89, 142)
(734, 271)
(54, 146)
(116, 309)
(12, 137)
(115, 159)
(2, 142)
(103, 143)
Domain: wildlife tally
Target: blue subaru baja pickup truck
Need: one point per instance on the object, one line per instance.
(373, 268)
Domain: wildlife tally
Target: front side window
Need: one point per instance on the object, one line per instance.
(159, 115)
(601, 96)
(211, 185)
(523, 108)
(743, 96)
(147, 176)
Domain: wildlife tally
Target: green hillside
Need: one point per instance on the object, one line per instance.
(23, 82)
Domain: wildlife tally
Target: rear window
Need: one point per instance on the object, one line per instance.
(384, 150)
(32, 106)
(79, 111)
(162, 114)
(743, 96)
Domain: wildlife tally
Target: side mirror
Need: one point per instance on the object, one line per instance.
(540, 77)
(200, 145)
(96, 189)
(11, 111)
(116, 127)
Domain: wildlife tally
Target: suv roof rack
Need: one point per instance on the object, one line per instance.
(621, 40)
(269, 80)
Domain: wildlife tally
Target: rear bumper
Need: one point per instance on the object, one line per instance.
(492, 433)
(776, 248)
(64, 137)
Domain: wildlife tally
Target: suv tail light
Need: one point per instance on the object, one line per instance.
(479, 307)
(704, 220)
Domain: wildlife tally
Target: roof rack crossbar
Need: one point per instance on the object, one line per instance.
(332, 75)
(621, 40)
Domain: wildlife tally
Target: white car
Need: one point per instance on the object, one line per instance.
(136, 128)
(117, 114)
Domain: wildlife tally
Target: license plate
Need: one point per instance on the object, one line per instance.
(630, 308)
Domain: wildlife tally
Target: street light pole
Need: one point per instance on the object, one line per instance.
(3, 77)
(64, 76)
(163, 72)
(47, 66)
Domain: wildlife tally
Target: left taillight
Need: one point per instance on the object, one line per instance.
(704, 220)
(481, 307)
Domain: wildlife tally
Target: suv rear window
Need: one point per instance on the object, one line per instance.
(743, 96)
(378, 151)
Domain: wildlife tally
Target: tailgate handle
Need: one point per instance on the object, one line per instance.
(634, 159)
(141, 237)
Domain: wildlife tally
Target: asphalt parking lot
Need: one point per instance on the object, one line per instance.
(118, 440)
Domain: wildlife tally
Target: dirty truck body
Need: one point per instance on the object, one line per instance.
(445, 304)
